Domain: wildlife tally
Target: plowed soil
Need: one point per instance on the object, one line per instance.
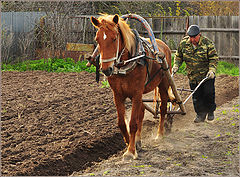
(63, 123)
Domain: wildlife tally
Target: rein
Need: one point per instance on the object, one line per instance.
(132, 59)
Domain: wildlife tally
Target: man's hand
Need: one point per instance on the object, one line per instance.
(210, 74)
(90, 60)
(174, 69)
(88, 64)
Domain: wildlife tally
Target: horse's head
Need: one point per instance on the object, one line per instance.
(111, 39)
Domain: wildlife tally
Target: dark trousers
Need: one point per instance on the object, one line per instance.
(204, 97)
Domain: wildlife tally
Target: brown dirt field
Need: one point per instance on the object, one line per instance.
(59, 123)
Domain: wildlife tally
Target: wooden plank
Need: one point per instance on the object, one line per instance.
(203, 22)
(235, 36)
(224, 41)
(79, 47)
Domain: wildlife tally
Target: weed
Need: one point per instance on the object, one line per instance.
(228, 133)
(224, 112)
(235, 110)
(204, 157)
(106, 172)
(228, 162)
(229, 153)
(105, 84)
(52, 65)
(178, 164)
(218, 135)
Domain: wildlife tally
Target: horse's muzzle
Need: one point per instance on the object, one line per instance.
(108, 71)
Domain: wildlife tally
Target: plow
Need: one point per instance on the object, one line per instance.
(171, 108)
(160, 58)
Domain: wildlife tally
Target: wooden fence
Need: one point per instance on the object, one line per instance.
(222, 30)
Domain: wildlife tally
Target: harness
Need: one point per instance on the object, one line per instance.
(139, 58)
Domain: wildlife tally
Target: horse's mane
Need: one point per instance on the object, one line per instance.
(127, 34)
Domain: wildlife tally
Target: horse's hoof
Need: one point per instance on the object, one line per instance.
(158, 137)
(138, 145)
(129, 156)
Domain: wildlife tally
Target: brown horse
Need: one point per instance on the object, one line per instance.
(117, 42)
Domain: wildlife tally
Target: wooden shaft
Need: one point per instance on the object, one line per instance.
(155, 113)
(150, 100)
(172, 84)
(150, 110)
(175, 112)
(187, 90)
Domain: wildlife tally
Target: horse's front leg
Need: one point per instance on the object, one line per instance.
(119, 102)
(131, 152)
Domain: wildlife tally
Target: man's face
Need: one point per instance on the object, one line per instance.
(194, 40)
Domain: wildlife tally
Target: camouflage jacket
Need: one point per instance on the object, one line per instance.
(199, 60)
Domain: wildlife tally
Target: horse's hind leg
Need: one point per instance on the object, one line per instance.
(139, 130)
(163, 109)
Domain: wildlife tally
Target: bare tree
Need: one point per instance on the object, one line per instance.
(53, 29)
(7, 41)
(26, 45)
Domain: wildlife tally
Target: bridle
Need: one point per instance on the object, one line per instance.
(117, 57)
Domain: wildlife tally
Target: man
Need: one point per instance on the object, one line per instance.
(200, 56)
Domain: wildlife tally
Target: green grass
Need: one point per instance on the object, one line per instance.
(227, 68)
(222, 68)
(52, 65)
(68, 65)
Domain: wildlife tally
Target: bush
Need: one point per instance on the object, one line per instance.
(68, 65)
(50, 65)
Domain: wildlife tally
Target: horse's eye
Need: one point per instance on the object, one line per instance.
(114, 39)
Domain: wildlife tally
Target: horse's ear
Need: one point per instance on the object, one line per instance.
(95, 21)
(116, 18)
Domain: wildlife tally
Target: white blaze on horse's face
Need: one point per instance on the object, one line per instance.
(108, 41)
(104, 36)
(107, 37)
